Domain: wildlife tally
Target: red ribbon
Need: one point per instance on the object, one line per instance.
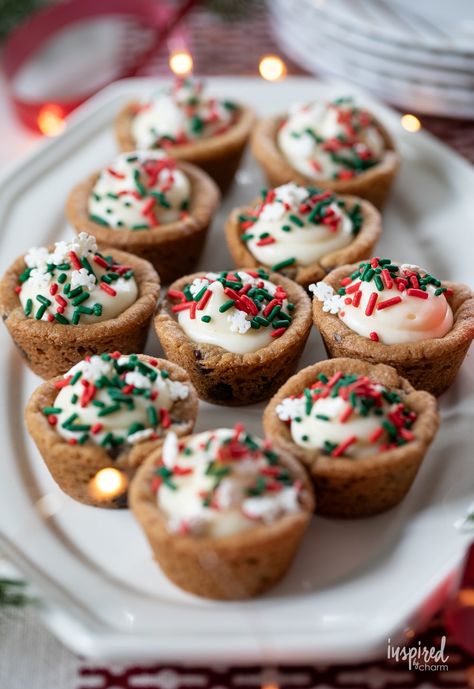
(25, 41)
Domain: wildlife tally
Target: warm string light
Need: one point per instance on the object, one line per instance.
(181, 62)
(51, 120)
(108, 483)
(272, 68)
(410, 122)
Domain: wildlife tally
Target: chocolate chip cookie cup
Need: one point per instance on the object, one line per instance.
(206, 132)
(302, 232)
(64, 303)
(238, 334)
(399, 315)
(236, 534)
(361, 430)
(150, 205)
(95, 425)
(357, 158)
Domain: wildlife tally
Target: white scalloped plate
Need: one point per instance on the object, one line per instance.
(354, 583)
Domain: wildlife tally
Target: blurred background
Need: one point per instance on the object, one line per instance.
(419, 56)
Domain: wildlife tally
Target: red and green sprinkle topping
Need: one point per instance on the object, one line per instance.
(115, 400)
(389, 303)
(348, 415)
(74, 283)
(180, 115)
(139, 191)
(221, 482)
(283, 212)
(233, 303)
(335, 140)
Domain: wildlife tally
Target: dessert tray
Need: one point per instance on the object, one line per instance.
(354, 583)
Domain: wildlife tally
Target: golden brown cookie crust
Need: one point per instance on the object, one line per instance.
(74, 466)
(51, 349)
(222, 377)
(373, 184)
(360, 247)
(429, 365)
(233, 567)
(172, 248)
(218, 155)
(359, 487)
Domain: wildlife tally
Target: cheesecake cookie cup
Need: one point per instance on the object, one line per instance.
(360, 429)
(206, 132)
(223, 512)
(302, 232)
(108, 413)
(149, 204)
(334, 145)
(238, 334)
(63, 303)
(396, 314)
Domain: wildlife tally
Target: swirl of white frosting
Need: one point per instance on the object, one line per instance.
(112, 400)
(220, 484)
(139, 190)
(180, 114)
(74, 284)
(221, 322)
(347, 416)
(334, 140)
(286, 229)
(400, 312)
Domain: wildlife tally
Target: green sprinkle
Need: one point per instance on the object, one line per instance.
(226, 305)
(40, 312)
(296, 221)
(286, 228)
(43, 300)
(76, 377)
(51, 410)
(28, 307)
(284, 264)
(82, 297)
(99, 220)
(62, 278)
(207, 319)
(61, 319)
(76, 317)
(109, 410)
(152, 415)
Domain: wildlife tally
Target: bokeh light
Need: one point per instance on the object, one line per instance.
(272, 68)
(51, 120)
(181, 62)
(410, 122)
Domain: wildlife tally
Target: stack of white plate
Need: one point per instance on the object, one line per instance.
(417, 55)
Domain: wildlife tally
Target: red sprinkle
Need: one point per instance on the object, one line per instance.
(413, 292)
(353, 288)
(96, 428)
(202, 303)
(101, 261)
(75, 260)
(278, 332)
(342, 447)
(388, 302)
(165, 418)
(108, 289)
(387, 278)
(373, 336)
(369, 309)
(52, 420)
(356, 299)
(63, 383)
(376, 435)
(53, 289)
(265, 241)
(182, 307)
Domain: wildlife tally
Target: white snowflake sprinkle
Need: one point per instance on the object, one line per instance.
(93, 369)
(290, 408)
(138, 380)
(83, 244)
(334, 304)
(228, 493)
(321, 290)
(238, 322)
(246, 278)
(170, 450)
(177, 390)
(39, 279)
(82, 278)
(60, 253)
(37, 257)
(197, 285)
(272, 211)
(292, 194)
(140, 436)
